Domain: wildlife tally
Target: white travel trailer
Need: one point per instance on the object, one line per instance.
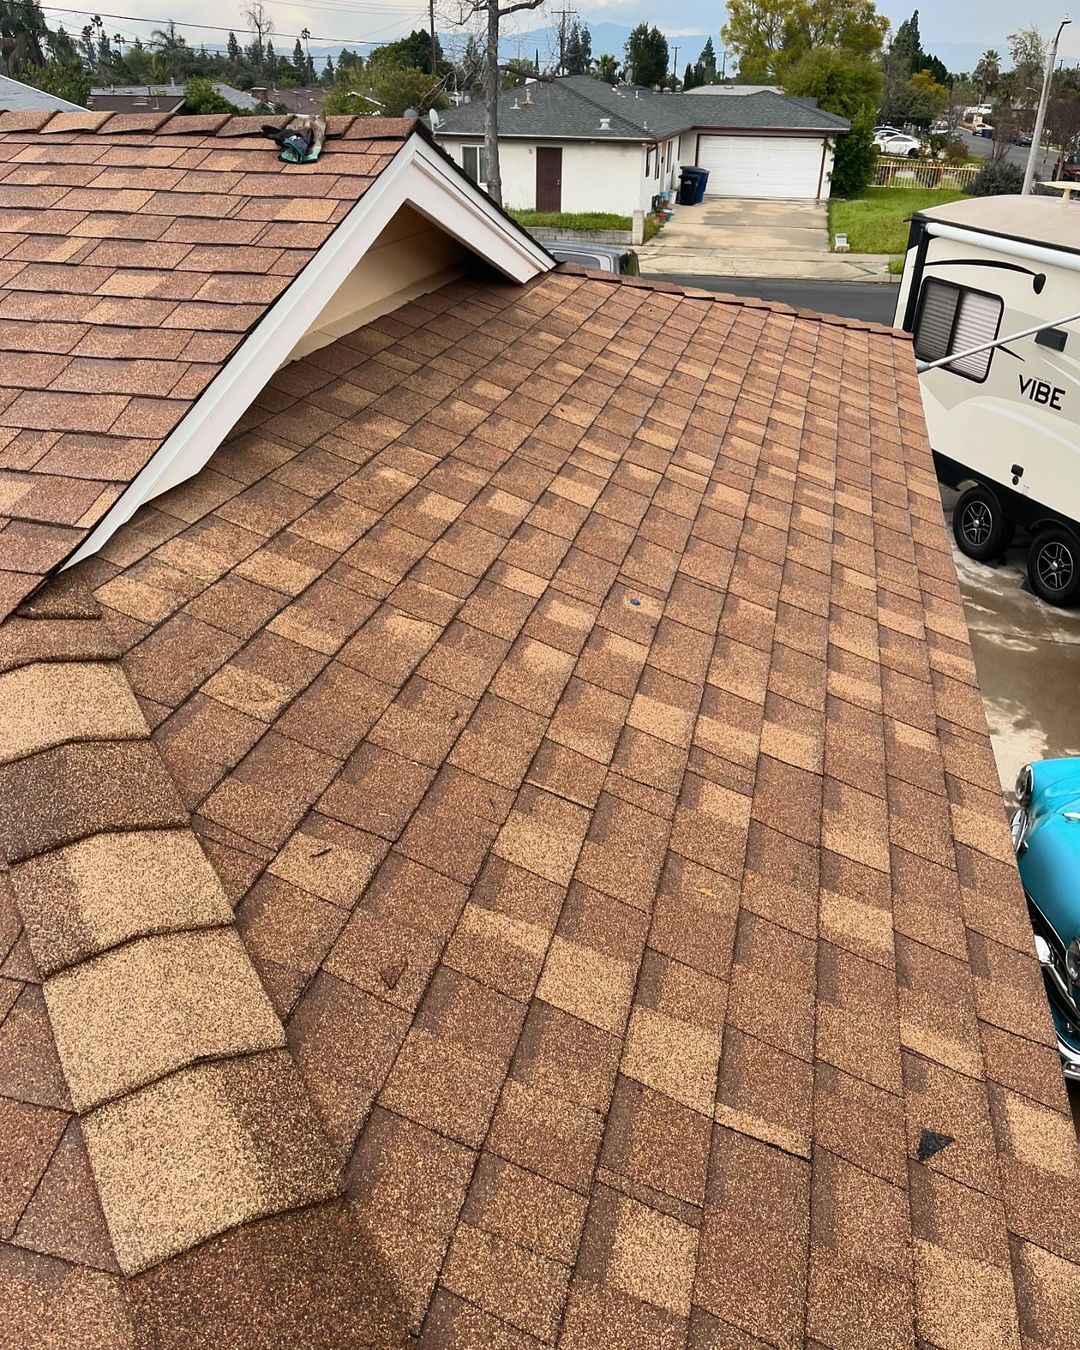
(991, 293)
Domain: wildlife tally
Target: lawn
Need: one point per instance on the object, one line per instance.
(570, 220)
(876, 222)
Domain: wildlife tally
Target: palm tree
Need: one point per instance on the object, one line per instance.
(607, 68)
(987, 73)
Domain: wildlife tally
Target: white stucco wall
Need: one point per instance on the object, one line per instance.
(596, 176)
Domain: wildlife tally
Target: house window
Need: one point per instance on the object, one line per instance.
(474, 162)
(952, 319)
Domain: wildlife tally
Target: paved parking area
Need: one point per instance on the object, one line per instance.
(729, 237)
(1028, 657)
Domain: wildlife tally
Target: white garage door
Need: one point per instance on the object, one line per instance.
(760, 166)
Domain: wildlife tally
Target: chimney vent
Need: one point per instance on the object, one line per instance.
(605, 124)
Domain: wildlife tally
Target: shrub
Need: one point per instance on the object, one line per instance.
(996, 179)
(956, 151)
(855, 157)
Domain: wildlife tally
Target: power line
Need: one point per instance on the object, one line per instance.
(218, 28)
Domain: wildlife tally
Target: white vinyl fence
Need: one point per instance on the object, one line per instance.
(924, 173)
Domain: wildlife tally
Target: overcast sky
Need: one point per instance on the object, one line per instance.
(983, 22)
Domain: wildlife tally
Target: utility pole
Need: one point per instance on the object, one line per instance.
(431, 30)
(305, 33)
(675, 64)
(563, 15)
(1040, 117)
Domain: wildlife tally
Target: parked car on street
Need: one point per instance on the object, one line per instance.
(1069, 169)
(596, 257)
(891, 142)
(1046, 837)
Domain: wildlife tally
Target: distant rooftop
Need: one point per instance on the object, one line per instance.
(165, 94)
(18, 97)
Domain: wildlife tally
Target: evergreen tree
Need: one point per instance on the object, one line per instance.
(689, 82)
(578, 54)
(271, 61)
(299, 62)
(707, 63)
(233, 48)
(647, 55)
(327, 77)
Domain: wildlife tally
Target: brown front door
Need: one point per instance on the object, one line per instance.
(548, 178)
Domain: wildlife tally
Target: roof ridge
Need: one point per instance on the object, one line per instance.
(48, 121)
(168, 1043)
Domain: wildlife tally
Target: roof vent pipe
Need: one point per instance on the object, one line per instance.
(605, 124)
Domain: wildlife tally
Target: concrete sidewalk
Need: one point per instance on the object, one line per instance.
(733, 238)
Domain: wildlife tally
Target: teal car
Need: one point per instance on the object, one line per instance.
(1046, 837)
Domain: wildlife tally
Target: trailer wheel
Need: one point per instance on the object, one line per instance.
(1054, 566)
(982, 529)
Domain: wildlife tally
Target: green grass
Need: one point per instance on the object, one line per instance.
(876, 222)
(652, 228)
(896, 266)
(570, 220)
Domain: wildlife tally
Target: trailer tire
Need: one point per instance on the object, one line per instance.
(1054, 566)
(982, 529)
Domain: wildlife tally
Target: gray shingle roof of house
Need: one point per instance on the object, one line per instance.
(18, 97)
(237, 97)
(572, 108)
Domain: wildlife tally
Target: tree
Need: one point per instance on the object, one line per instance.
(770, 35)
(849, 86)
(689, 80)
(1062, 125)
(200, 96)
(926, 99)
(707, 62)
(23, 34)
(578, 49)
(261, 26)
(1023, 84)
(233, 48)
(987, 73)
(412, 52)
(64, 80)
(607, 68)
(647, 55)
(326, 79)
(299, 62)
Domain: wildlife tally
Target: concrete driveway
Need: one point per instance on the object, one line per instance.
(730, 237)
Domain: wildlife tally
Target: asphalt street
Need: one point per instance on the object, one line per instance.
(874, 301)
(1016, 154)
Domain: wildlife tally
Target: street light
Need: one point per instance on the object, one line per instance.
(1040, 117)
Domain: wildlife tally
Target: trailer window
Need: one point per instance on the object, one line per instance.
(952, 319)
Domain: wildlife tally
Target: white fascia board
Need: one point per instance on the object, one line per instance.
(418, 176)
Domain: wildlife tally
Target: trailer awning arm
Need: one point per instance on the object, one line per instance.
(1013, 248)
(923, 366)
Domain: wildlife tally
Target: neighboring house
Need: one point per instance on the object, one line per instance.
(158, 98)
(575, 144)
(502, 843)
(298, 99)
(736, 89)
(18, 97)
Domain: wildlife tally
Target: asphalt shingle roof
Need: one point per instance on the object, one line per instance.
(572, 107)
(136, 252)
(18, 97)
(570, 687)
